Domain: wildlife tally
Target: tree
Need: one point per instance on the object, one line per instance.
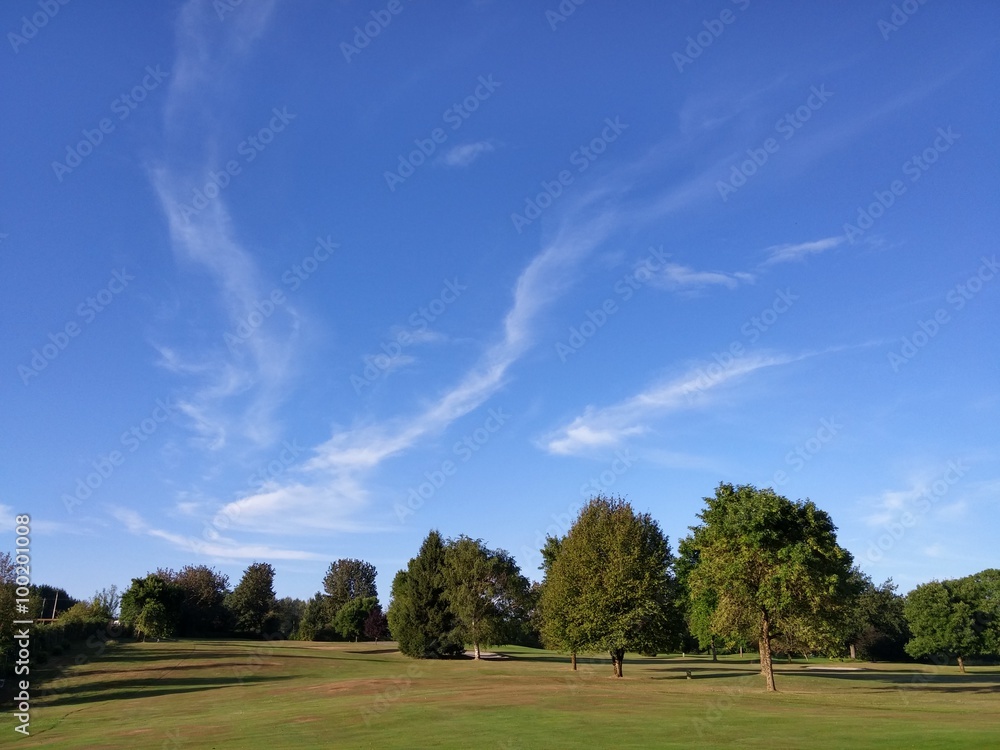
(203, 608)
(350, 619)
(376, 624)
(315, 622)
(107, 602)
(252, 602)
(610, 586)
(956, 618)
(774, 568)
(876, 629)
(485, 591)
(419, 616)
(697, 611)
(290, 612)
(348, 579)
(152, 605)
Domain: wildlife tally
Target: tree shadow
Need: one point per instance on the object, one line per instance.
(110, 690)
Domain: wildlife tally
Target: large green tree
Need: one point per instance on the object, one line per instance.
(876, 628)
(956, 618)
(152, 605)
(348, 579)
(202, 608)
(609, 586)
(419, 616)
(350, 619)
(252, 602)
(773, 567)
(485, 591)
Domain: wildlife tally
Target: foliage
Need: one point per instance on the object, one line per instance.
(419, 616)
(203, 610)
(773, 567)
(348, 579)
(350, 618)
(252, 602)
(152, 606)
(609, 587)
(107, 602)
(485, 591)
(376, 624)
(877, 625)
(955, 618)
(289, 613)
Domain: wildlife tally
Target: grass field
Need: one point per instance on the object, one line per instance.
(239, 694)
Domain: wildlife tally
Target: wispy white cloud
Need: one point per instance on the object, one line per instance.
(219, 547)
(608, 426)
(464, 154)
(800, 251)
(680, 277)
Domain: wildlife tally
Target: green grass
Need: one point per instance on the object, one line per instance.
(238, 694)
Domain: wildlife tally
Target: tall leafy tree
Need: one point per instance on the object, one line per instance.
(205, 590)
(376, 624)
(419, 616)
(350, 619)
(485, 591)
(697, 611)
(876, 628)
(252, 602)
(955, 618)
(152, 605)
(348, 579)
(773, 567)
(610, 586)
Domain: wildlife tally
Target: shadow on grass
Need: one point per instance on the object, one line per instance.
(372, 651)
(146, 688)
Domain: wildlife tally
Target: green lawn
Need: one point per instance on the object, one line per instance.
(238, 694)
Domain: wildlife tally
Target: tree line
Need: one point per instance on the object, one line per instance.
(758, 572)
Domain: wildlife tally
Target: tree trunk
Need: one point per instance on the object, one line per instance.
(961, 665)
(766, 667)
(617, 657)
(741, 652)
(711, 644)
(478, 653)
(572, 660)
(854, 652)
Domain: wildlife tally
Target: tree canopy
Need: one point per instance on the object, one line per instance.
(485, 591)
(253, 602)
(767, 567)
(609, 585)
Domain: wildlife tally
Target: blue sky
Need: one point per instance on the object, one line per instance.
(296, 282)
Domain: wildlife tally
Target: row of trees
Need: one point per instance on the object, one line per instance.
(759, 572)
(347, 607)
